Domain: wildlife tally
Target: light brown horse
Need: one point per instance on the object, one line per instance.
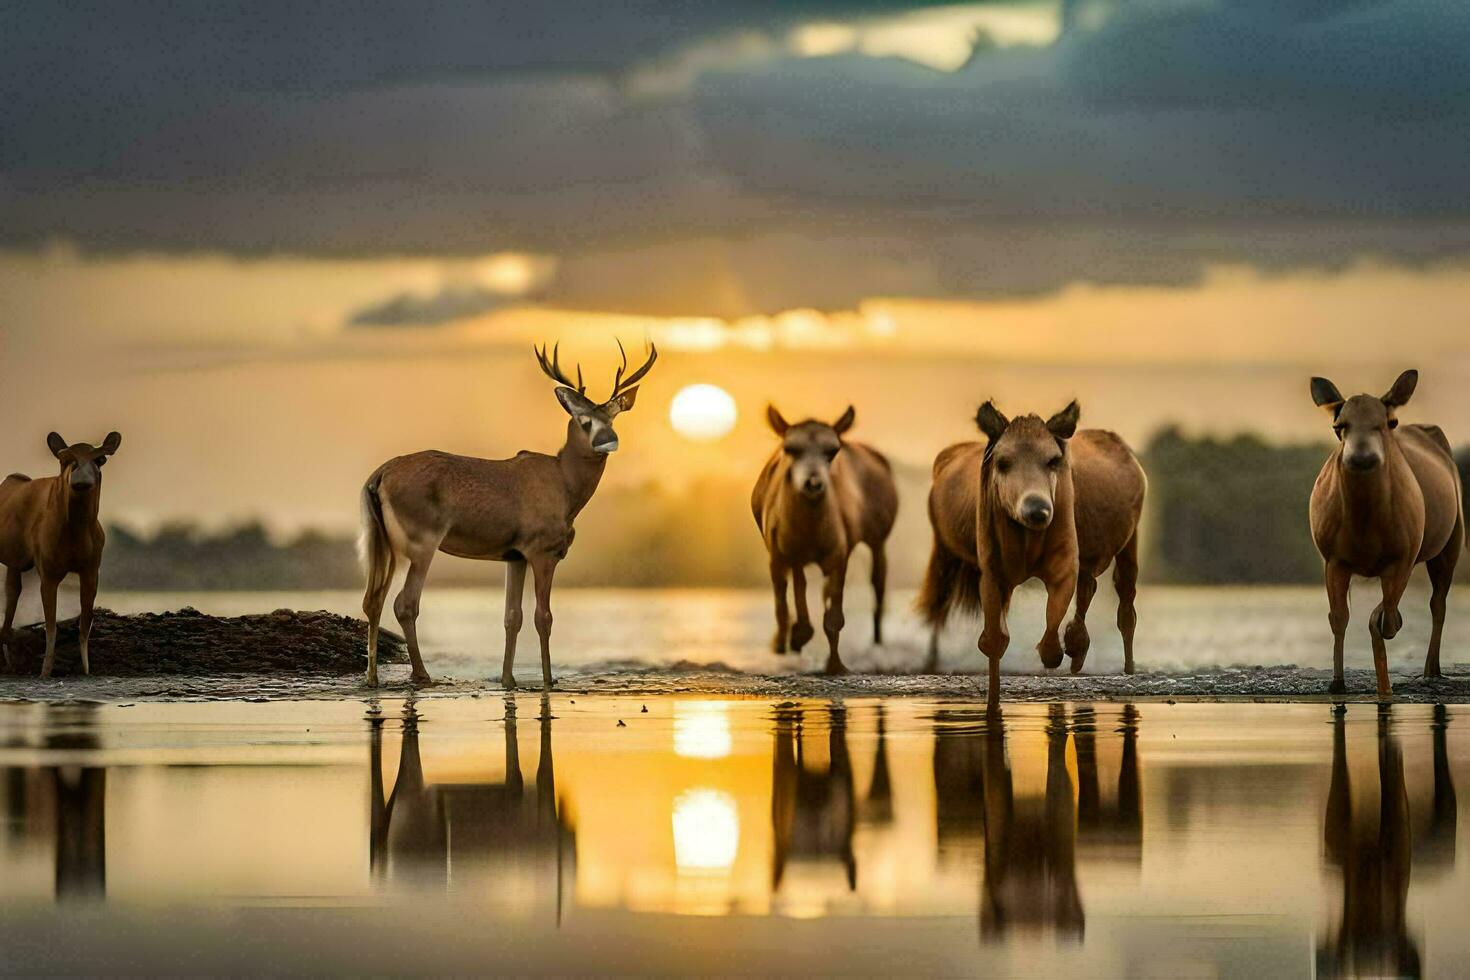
(818, 497)
(51, 525)
(1037, 500)
(1386, 500)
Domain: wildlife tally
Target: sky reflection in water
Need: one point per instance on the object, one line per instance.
(707, 834)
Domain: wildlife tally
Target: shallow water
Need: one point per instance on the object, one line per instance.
(1179, 629)
(741, 835)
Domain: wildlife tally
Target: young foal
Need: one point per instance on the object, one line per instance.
(51, 525)
(1038, 500)
(818, 497)
(1386, 500)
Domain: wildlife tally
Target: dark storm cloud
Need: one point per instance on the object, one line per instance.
(1151, 139)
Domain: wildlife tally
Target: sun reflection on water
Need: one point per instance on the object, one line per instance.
(702, 730)
(706, 832)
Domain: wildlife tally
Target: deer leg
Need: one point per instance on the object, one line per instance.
(84, 619)
(1338, 580)
(931, 665)
(1441, 575)
(1058, 598)
(48, 606)
(783, 613)
(12, 598)
(802, 632)
(994, 638)
(406, 608)
(832, 618)
(1125, 583)
(544, 569)
(1385, 623)
(1076, 642)
(372, 608)
(880, 586)
(515, 587)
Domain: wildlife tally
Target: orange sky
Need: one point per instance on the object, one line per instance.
(241, 391)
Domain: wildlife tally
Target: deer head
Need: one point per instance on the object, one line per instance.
(596, 420)
(1024, 459)
(810, 446)
(81, 464)
(1362, 423)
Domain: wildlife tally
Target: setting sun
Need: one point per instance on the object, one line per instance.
(702, 412)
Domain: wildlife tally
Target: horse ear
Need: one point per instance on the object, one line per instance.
(55, 443)
(110, 444)
(991, 421)
(1402, 390)
(776, 421)
(1063, 425)
(1325, 395)
(845, 422)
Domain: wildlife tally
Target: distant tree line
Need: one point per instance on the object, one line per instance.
(1220, 510)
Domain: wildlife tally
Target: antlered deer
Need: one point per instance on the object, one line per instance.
(1387, 499)
(818, 497)
(518, 510)
(51, 525)
(1037, 500)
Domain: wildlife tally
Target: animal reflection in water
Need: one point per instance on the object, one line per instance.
(813, 810)
(420, 830)
(1030, 841)
(67, 804)
(1372, 848)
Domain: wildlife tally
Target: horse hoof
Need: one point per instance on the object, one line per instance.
(1077, 663)
(836, 667)
(421, 680)
(801, 634)
(778, 645)
(508, 682)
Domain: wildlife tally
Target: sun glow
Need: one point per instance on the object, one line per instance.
(702, 412)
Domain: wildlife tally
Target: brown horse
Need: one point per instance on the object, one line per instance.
(1037, 500)
(818, 497)
(1386, 500)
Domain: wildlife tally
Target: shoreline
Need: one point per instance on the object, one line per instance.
(1284, 684)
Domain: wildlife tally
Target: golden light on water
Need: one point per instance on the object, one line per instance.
(706, 832)
(702, 412)
(701, 730)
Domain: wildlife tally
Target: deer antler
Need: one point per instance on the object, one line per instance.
(621, 384)
(553, 369)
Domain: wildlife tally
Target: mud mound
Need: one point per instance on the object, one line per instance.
(188, 642)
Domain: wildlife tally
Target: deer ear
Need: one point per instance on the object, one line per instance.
(776, 421)
(845, 422)
(574, 401)
(1063, 425)
(991, 421)
(1325, 395)
(622, 403)
(1402, 390)
(55, 443)
(110, 444)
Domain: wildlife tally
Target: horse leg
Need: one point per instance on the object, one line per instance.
(802, 632)
(1441, 575)
(783, 613)
(12, 599)
(1125, 583)
(994, 602)
(406, 607)
(880, 585)
(515, 587)
(544, 569)
(1075, 641)
(1059, 594)
(1338, 579)
(832, 618)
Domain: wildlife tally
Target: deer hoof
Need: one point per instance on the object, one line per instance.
(1338, 686)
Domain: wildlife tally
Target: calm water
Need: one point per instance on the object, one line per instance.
(1179, 629)
(733, 836)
